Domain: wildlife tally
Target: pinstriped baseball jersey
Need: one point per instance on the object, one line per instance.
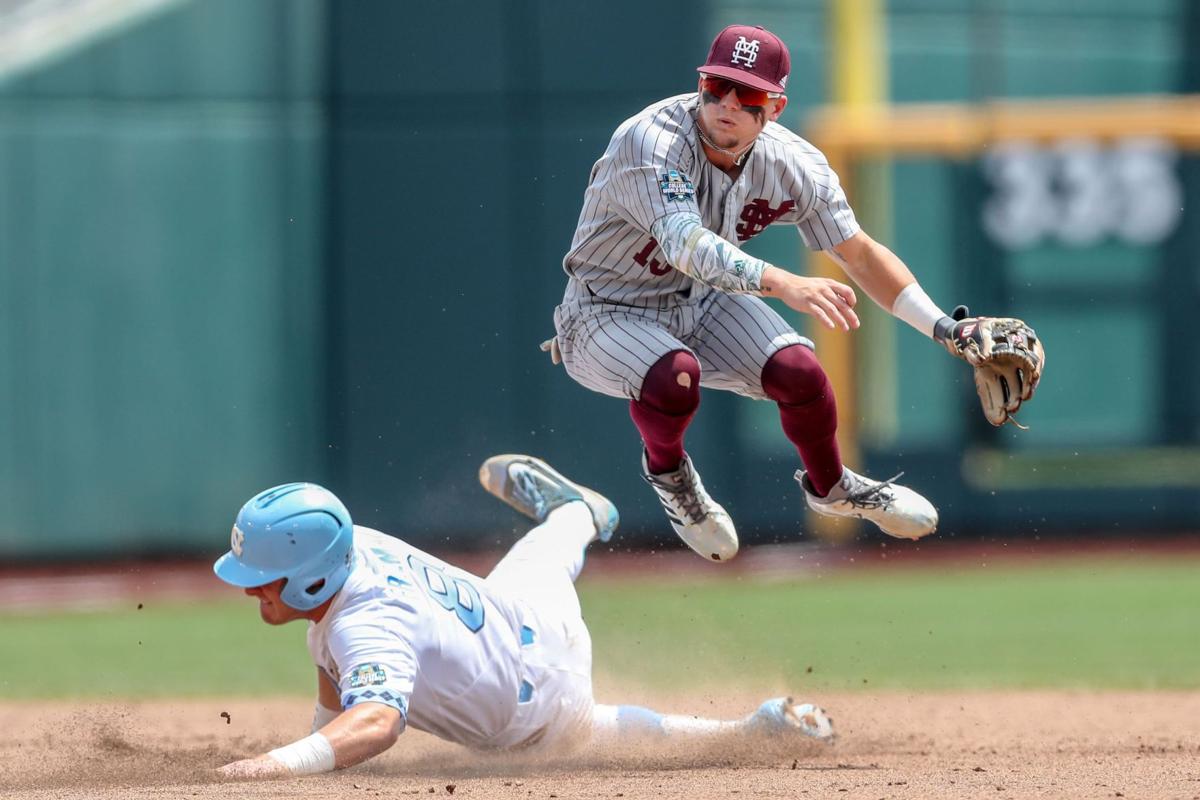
(655, 166)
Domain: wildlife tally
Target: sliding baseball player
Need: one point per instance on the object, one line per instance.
(402, 639)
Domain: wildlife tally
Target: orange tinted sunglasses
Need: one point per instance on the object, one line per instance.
(715, 90)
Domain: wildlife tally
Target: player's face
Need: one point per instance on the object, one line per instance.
(732, 115)
(271, 607)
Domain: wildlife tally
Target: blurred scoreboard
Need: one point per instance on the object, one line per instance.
(1081, 192)
(1086, 237)
(1074, 215)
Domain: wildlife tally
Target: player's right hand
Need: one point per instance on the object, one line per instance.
(830, 301)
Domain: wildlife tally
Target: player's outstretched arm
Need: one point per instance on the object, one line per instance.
(355, 735)
(1006, 353)
(888, 281)
(874, 268)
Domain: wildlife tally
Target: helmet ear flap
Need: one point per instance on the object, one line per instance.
(320, 579)
(300, 532)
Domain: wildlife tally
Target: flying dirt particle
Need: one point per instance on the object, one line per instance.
(110, 741)
(795, 763)
(139, 606)
(809, 670)
(225, 716)
(978, 769)
(450, 787)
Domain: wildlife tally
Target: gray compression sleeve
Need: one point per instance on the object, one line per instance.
(701, 254)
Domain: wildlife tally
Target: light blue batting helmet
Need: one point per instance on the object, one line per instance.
(298, 531)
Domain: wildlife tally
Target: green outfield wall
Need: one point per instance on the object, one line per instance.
(161, 245)
(249, 242)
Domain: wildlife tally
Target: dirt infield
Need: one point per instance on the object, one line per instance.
(1035, 744)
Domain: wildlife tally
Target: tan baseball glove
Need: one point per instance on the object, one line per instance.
(1008, 359)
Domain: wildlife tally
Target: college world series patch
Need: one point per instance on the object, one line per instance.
(676, 186)
(367, 675)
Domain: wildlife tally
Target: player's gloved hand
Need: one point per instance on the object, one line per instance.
(1007, 356)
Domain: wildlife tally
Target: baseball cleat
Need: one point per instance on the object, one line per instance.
(534, 488)
(897, 510)
(781, 716)
(698, 519)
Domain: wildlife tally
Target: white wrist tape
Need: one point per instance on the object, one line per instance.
(914, 307)
(310, 755)
(322, 716)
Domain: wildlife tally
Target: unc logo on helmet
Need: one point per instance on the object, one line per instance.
(297, 531)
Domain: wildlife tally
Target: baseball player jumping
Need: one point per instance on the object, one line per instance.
(400, 638)
(661, 301)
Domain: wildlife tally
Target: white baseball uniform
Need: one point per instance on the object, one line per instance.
(489, 663)
(626, 306)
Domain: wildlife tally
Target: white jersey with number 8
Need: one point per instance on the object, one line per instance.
(457, 655)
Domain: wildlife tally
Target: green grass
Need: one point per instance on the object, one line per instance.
(1065, 624)
(1102, 624)
(216, 648)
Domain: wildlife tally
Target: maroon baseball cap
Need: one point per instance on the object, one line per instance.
(750, 55)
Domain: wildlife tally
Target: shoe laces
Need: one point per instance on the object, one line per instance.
(527, 486)
(873, 494)
(684, 495)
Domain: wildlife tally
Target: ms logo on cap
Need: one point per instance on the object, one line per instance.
(750, 55)
(745, 52)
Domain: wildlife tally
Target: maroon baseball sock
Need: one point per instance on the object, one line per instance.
(794, 379)
(670, 397)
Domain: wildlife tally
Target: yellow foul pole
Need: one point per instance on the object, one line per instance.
(858, 55)
(858, 70)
